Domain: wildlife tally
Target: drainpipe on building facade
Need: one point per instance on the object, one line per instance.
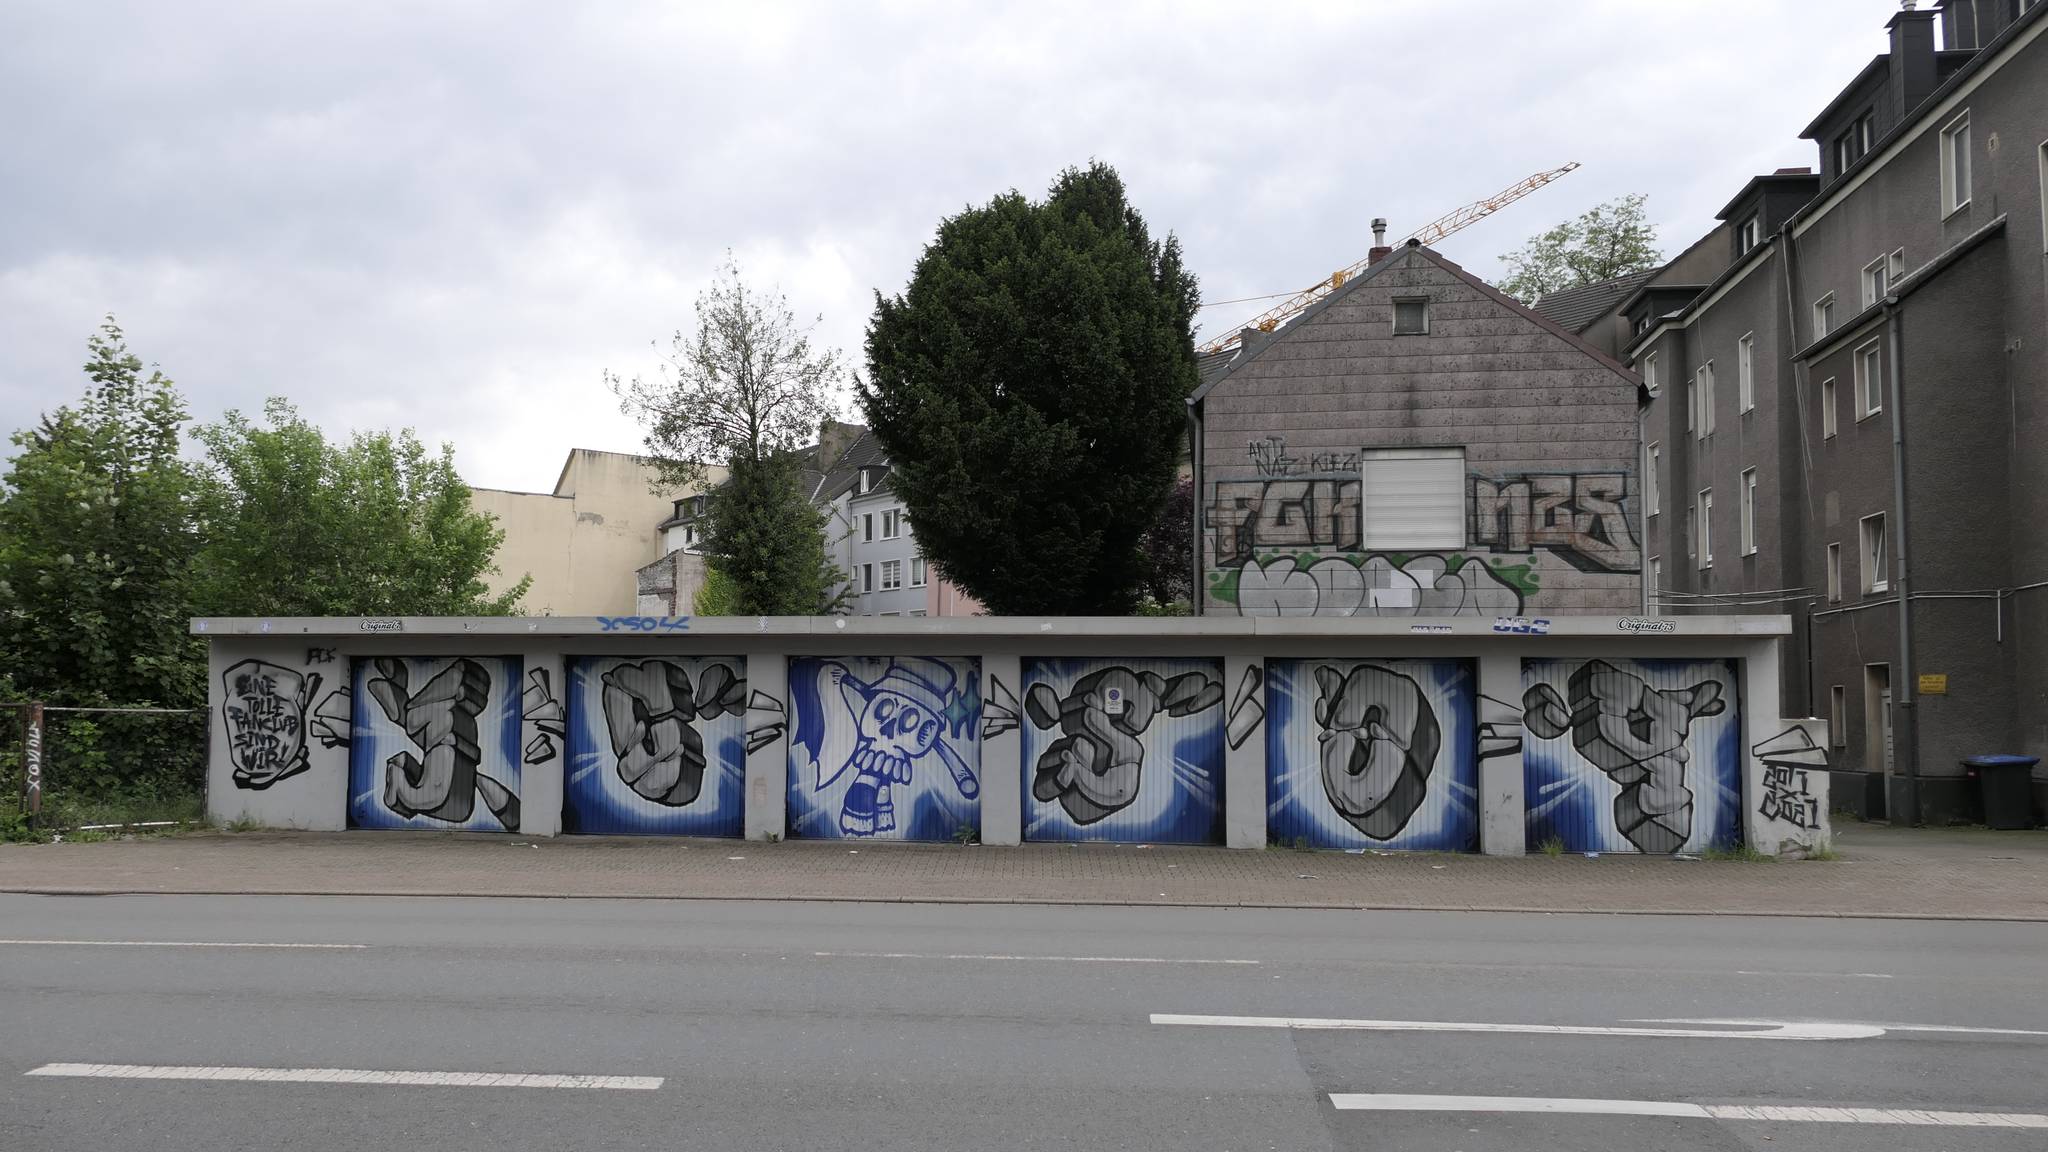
(1642, 503)
(1195, 589)
(1906, 744)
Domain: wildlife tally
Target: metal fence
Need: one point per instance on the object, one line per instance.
(74, 751)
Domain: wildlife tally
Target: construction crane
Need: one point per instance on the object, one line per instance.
(1430, 233)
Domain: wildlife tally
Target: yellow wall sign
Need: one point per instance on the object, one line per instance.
(1934, 684)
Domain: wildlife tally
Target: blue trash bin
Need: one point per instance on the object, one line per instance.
(2007, 784)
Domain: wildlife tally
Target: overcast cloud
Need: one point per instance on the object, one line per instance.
(456, 216)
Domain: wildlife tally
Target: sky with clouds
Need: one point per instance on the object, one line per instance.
(456, 216)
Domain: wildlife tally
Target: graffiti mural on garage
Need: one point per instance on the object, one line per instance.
(656, 746)
(1372, 754)
(1123, 750)
(1632, 755)
(885, 747)
(264, 707)
(436, 743)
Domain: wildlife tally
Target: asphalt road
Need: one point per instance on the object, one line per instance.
(828, 1026)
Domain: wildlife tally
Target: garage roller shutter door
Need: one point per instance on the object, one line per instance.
(1414, 498)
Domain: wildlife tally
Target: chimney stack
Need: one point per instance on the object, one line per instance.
(1913, 77)
(1380, 251)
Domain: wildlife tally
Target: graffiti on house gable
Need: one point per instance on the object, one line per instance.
(1096, 726)
(657, 745)
(432, 737)
(1374, 584)
(1581, 519)
(1662, 733)
(885, 747)
(1271, 458)
(264, 708)
(1248, 515)
(1372, 754)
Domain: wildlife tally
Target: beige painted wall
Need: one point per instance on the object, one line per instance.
(583, 542)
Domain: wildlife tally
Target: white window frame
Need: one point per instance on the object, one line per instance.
(892, 524)
(1704, 520)
(1749, 512)
(867, 481)
(1894, 270)
(1656, 585)
(1955, 193)
(917, 571)
(1653, 501)
(1745, 372)
(1371, 500)
(1835, 573)
(2043, 157)
(1876, 554)
(1749, 234)
(1703, 386)
(867, 578)
(892, 575)
(1650, 359)
(1823, 315)
(867, 527)
(1876, 280)
(1400, 331)
(1829, 421)
(1869, 362)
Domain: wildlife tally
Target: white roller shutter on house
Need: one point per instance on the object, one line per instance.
(1413, 498)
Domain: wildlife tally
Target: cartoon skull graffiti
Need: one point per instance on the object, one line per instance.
(1095, 767)
(1379, 743)
(901, 717)
(1636, 734)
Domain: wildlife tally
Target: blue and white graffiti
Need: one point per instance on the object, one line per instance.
(1372, 754)
(656, 746)
(435, 743)
(1123, 750)
(1632, 755)
(884, 747)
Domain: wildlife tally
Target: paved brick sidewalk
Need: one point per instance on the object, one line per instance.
(1963, 874)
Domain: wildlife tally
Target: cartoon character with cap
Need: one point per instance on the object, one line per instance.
(901, 721)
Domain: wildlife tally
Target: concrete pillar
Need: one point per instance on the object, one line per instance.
(1244, 752)
(768, 723)
(1784, 765)
(1002, 747)
(543, 731)
(1503, 827)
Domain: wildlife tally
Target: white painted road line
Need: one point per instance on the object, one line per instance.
(1955, 1028)
(991, 956)
(1817, 975)
(1763, 1030)
(172, 944)
(1371, 1102)
(347, 1076)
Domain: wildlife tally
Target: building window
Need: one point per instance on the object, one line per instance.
(1876, 280)
(1411, 317)
(891, 524)
(1895, 269)
(867, 481)
(892, 575)
(867, 526)
(1827, 408)
(1413, 498)
(1650, 361)
(1955, 165)
(1838, 735)
(1692, 532)
(917, 571)
(2044, 195)
(1876, 575)
(1749, 512)
(690, 536)
(867, 577)
(1869, 381)
(1703, 388)
(1745, 372)
(1834, 573)
(1650, 496)
(1852, 144)
(1823, 315)
(1748, 234)
(1656, 584)
(1706, 523)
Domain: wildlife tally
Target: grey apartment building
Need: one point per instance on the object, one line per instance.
(1848, 385)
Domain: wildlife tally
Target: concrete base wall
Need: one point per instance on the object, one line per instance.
(1430, 734)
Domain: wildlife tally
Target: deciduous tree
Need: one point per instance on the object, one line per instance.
(1030, 389)
(1614, 239)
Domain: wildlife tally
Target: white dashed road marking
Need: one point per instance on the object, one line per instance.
(173, 944)
(1782, 1113)
(1763, 1030)
(347, 1076)
(992, 956)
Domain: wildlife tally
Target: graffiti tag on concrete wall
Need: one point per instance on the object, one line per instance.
(264, 708)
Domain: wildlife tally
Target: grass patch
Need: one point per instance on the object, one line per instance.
(1824, 852)
(64, 810)
(243, 823)
(1552, 847)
